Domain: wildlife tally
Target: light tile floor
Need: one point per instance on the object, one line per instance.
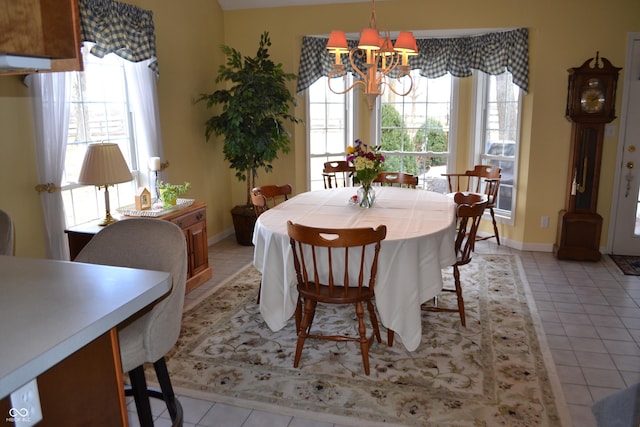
(589, 310)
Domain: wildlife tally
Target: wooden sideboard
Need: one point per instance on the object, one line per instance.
(193, 222)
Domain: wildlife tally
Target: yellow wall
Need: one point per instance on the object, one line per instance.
(559, 38)
(562, 34)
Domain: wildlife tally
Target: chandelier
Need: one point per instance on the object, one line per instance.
(381, 57)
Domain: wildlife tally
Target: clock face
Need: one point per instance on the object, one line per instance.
(592, 97)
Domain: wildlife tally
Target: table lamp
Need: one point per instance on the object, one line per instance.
(104, 165)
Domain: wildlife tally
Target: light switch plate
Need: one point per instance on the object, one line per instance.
(609, 130)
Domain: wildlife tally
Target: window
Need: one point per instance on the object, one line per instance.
(498, 118)
(418, 131)
(99, 112)
(415, 129)
(330, 126)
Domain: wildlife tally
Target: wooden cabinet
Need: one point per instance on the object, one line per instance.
(68, 390)
(193, 222)
(41, 28)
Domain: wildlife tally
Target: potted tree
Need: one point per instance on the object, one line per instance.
(255, 105)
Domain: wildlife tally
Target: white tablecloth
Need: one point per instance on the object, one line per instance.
(419, 244)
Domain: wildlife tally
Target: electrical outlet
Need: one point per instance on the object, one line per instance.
(25, 405)
(544, 222)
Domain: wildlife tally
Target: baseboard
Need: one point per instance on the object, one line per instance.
(220, 236)
(521, 246)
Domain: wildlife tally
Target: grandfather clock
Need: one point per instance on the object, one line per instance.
(590, 106)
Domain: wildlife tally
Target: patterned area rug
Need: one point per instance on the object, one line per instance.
(629, 265)
(494, 372)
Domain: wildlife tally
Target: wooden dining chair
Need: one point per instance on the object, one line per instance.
(469, 209)
(267, 196)
(337, 173)
(481, 179)
(399, 179)
(322, 258)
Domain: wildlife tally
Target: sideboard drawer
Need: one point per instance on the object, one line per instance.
(191, 218)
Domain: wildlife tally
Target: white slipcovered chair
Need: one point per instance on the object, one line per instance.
(6, 233)
(147, 336)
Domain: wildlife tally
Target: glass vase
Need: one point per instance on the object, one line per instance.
(366, 195)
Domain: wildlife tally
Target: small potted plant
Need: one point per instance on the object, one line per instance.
(169, 192)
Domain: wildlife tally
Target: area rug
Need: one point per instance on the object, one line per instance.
(629, 265)
(494, 372)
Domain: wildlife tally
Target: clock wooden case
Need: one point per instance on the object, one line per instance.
(590, 106)
(592, 91)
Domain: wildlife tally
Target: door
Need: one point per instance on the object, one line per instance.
(626, 210)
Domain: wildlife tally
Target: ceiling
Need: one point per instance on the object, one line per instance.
(256, 4)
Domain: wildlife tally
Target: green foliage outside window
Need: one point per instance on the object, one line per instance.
(395, 137)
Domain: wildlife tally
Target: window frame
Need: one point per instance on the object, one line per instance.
(450, 155)
(481, 83)
(120, 194)
(350, 117)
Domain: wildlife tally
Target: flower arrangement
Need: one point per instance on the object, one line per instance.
(368, 163)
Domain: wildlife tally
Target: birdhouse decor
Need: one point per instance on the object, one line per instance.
(143, 199)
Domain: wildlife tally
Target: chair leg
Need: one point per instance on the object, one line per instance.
(259, 289)
(374, 321)
(390, 336)
(456, 276)
(173, 404)
(364, 341)
(495, 225)
(298, 314)
(303, 331)
(141, 396)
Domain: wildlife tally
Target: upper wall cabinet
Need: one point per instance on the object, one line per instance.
(41, 28)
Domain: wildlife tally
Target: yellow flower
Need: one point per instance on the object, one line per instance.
(350, 150)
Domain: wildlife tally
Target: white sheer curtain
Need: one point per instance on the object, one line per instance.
(51, 107)
(143, 97)
(50, 93)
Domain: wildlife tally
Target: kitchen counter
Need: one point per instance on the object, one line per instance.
(51, 309)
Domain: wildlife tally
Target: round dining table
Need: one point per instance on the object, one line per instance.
(419, 244)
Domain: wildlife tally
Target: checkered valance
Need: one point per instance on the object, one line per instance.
(121, 28)
(493, 53)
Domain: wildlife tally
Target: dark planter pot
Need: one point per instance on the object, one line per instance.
(244, 219)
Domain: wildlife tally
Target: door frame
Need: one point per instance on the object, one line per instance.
(619, 170)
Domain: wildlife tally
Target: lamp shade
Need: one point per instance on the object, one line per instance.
(338, 42)
(369, 39)
(104, 164)
(406, 42)
(386, 47)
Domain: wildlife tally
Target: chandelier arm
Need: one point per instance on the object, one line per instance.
(399, 93)
(392, 63)
(334, 75)
(353, 64)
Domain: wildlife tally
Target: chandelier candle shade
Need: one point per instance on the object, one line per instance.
(104, 165)
(381, 58)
